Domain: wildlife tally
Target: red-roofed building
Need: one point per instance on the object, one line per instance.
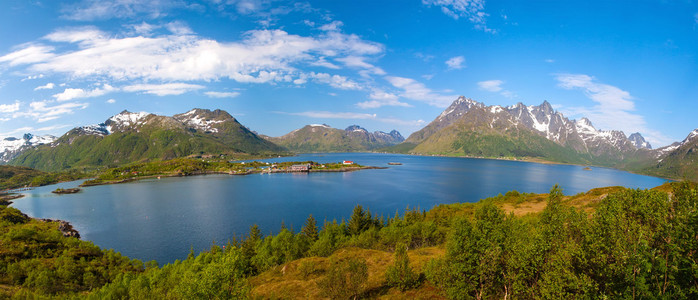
(347, 162)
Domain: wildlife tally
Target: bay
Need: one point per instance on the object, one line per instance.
(163, 219)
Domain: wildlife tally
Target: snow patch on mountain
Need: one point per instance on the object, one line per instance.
(10, 147)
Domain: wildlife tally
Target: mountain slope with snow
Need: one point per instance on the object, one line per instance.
(470, 128)
(128, 137)
(323, 138)
(12, 147)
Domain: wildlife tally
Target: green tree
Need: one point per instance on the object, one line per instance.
(359, 221)
(400, 274)
(310, 229)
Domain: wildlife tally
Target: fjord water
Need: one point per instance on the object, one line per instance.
(163, 219)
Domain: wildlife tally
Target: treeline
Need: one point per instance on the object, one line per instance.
(637, 244)
(633, 244)
(222, 272)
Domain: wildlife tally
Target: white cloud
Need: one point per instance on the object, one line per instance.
(261, 56)
(28, 55)
(48, 86)
(70, 93)
(32, 77)
(412, 89)
(359, 62)
(336, 81)
(9, 108)
(166, 89)
(332, 115)
(613, 110)
(491, 85)
(381, 98)
(111, 101)
(550, 60)
(222, 94)
(179, 28)
(43, 111)
(334, 26)
(428, 76)
(357, 116)
(473, 10)
(89, 10)
(455, 63)
(495, 86)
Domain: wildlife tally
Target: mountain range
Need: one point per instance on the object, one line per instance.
(470, 128)
(323, 138)
(465, 128)
(129, 137)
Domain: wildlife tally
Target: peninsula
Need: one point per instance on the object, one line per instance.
(189, 167)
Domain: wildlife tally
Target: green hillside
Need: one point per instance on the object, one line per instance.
(160, 138)
(608, 242)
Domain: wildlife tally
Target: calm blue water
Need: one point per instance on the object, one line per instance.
(162, 219)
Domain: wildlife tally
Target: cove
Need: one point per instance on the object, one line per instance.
(162, 219)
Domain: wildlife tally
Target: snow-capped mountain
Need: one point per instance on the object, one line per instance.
(379, 137)
(11, 147)
(123, 121)
(128, 137)
(203, 119)
(323, 138)
(639, 142)
(466, 115)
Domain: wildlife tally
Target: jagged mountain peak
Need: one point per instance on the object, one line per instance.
(204, 119)
(691, 136)
(204, 113)
(639, 141)
(356, 128)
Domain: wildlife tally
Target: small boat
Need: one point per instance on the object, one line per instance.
(394, 163)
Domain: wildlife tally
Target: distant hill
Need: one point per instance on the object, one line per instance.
(323, 138)
(129, 137)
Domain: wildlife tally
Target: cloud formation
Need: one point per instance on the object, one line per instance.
(222, 94)
(381, 98)
(415, 90)
(262, 56)
(473, 10)
(166, 89)
(47, 86)
(9, 108)
(455, 63)
(613, 110)
(70, 93)
(495, 86)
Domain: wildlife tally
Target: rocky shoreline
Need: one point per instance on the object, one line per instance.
(63, 226)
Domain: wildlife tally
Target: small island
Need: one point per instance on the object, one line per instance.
(66, 191)
(394, 163)
(189, 167)
(587, 169)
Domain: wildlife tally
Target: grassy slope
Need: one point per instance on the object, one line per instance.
(287, 281)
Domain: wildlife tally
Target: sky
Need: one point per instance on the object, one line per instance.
(396, 64)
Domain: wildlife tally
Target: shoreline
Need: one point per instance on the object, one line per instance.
(199, 173)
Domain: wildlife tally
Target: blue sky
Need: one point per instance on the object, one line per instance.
(279, 65)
